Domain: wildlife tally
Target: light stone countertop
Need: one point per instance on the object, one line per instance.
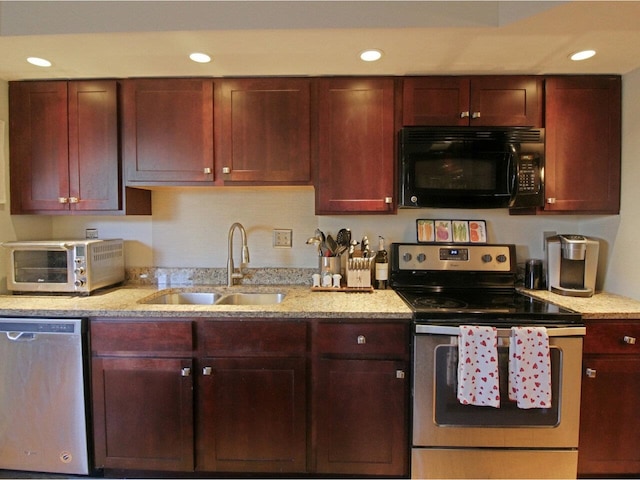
(601, 305)
(124, 302)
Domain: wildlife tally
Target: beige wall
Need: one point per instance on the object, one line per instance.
(189, 226)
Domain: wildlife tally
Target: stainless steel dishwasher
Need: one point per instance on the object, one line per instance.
(43, 421)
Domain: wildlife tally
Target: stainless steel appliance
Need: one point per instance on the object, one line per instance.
(464, 167)
(43, 424)
(448, 286)
(572, 265)
(64, 266)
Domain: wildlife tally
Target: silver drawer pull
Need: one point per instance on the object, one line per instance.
(399, 373)
(185, 372)
(206, 371)
(361, 340)
(629, 340)
(591, 372)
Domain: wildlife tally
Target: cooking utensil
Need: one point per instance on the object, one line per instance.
(332, 245)
(344, 237)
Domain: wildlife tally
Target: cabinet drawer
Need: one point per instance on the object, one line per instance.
(613, 337)
(234, 337)
(141, 336)
(362, 338)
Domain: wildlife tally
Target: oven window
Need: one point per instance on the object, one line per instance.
(450, 412)
(40, 266)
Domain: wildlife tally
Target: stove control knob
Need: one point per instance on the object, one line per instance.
(421, 257)
(486, 258)
(407, 257)
(501, 258)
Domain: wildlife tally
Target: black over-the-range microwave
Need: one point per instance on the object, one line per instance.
(466, 167)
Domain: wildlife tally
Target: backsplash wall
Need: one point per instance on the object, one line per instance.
(189, 227)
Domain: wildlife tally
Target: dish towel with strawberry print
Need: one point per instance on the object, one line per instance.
(530, 367)
(478, 366)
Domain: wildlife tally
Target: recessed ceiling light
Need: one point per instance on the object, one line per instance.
(583, 55)
(39, 62)
(371, 55)
(200, 57)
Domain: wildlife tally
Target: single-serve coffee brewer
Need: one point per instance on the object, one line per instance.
(572, 264)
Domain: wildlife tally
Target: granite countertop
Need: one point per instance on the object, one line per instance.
(299, 302)
(601, 305)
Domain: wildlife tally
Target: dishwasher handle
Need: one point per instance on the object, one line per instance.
(21, 336)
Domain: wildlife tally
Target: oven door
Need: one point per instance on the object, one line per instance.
(40, 267)
(440, 420)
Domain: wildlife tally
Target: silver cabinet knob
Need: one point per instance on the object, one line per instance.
(185, 372)
(74, 200)
(361, 340)
(206, 371)
(590, 372)
(475, 115)
(207, 170)
(388, 200)
(551, 200)
(464, 114)
(226, 170)
(63, 200)
(400, 374)
(629, 340)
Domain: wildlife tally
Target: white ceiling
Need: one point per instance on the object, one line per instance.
(87, 39)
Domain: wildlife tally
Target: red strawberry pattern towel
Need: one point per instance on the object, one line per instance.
(478, 366)
(530, 367)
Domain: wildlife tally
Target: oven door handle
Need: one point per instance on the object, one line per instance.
(577, 331)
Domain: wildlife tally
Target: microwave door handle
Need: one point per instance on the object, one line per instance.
(513, 167)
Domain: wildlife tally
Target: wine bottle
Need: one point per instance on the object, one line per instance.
(382, 266)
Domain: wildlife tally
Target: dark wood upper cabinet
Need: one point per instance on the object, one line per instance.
(168, 131)
(64, 149)
(355, 145)
(583, 144)
(473, 101)
(263, 130)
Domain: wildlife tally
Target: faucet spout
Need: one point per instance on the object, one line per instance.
(232, 273)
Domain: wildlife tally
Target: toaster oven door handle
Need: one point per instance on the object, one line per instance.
(565, 331)
(39, 245)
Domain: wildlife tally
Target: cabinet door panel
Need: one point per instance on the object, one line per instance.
(39, 150)
(94, 164)
(362, 424)
(168, 130)
(253, 415)
(609, 421)
(356, 138)
(435, 101)
(264, 130)
(143, 413)
(583, 144)
(505, 101)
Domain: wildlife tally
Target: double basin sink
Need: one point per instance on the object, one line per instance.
(214, 298)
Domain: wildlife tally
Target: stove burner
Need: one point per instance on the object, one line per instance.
(438, 302)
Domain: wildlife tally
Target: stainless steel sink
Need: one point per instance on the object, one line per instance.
(251, 299)
(185, 298)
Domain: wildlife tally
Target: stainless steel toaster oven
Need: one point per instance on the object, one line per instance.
(64, 266)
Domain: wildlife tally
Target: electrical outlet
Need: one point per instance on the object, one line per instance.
(282, 238)
(91, 233)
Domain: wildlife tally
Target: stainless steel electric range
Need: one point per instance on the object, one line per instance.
(448, 286)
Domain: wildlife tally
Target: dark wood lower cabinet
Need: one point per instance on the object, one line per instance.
(143, 413)
(361, 417)
(252, 415)
(250, 397)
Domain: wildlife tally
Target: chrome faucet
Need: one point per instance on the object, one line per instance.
(232, 275)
